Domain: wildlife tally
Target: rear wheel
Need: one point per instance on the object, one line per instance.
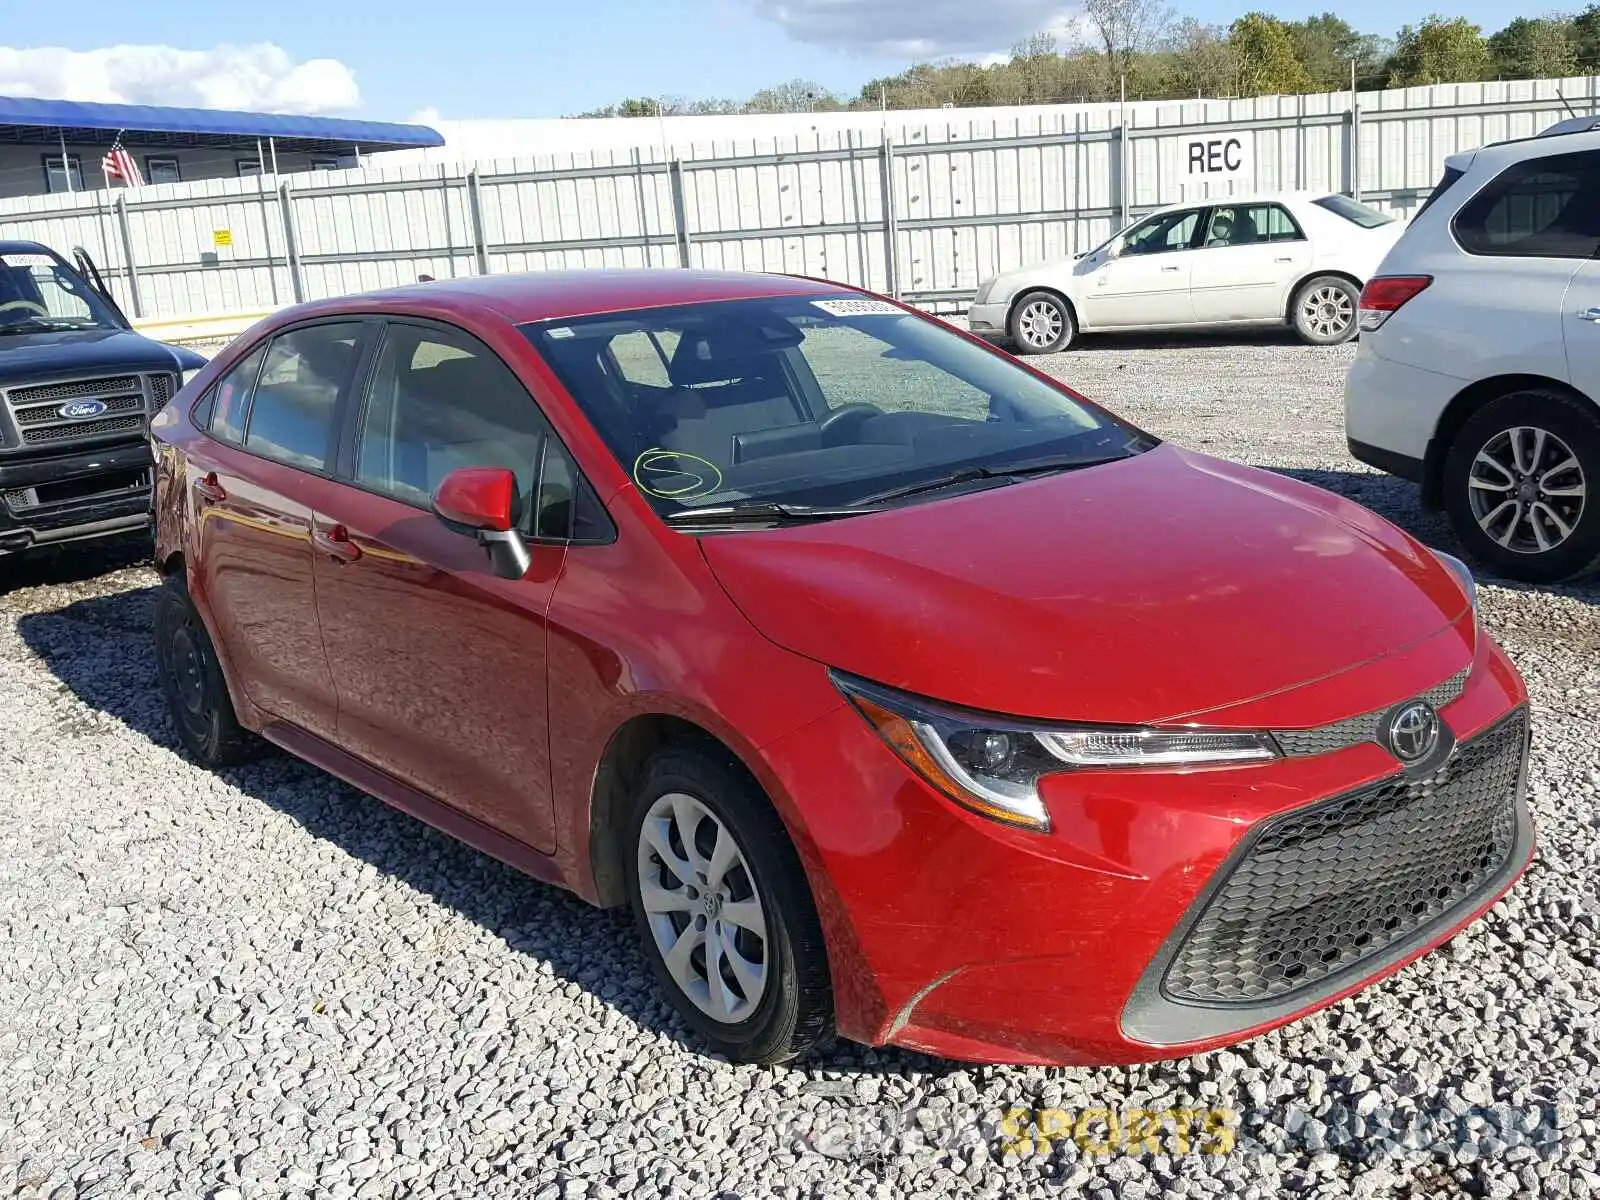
(1324, 310)
(1520, 485)
(723, 908)
(191, 679)
(1042, 323)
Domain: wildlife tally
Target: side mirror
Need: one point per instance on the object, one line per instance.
(482, 501)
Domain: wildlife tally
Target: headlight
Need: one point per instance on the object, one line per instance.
(190, 374)
(984, 289)
(992, 764)
(1463, 573)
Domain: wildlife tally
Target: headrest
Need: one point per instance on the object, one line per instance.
(720, 357)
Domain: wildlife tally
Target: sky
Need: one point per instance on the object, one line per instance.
(409, 59)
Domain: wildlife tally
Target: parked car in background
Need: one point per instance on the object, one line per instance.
(77, 387)
(828, 638)
(1479, 368)
(1291, 258)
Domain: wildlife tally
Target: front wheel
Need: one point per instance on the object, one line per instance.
(1324, 310)
(1516, 483)
(722, 905)
(1042, 323)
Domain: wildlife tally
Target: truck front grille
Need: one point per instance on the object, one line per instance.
(93, 409)
(1326, 887)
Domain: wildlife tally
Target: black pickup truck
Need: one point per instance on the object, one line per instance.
(77, 389)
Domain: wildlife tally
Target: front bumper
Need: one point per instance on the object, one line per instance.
(988, 318)
(71, 497)
(959, 937)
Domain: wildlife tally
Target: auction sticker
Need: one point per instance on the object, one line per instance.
(859, 308)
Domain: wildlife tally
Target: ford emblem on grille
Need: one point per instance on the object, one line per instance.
(1413, 732)
(82, 410)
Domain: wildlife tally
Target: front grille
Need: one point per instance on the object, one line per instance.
(83, 429)
(1321, 889)
(161, 389)
(20, 498)
(47, 414)
(1354, 730)
(73, 389)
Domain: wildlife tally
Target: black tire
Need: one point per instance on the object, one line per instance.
(192, 682)
(1325, 310)
(1510, 546)
(1041, 323)
(795, 1009)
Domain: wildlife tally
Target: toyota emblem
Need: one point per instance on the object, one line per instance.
(1414, 732)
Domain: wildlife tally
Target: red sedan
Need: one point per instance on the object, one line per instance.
(901, 691)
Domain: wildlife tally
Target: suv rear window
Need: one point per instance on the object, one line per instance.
(1353, 211)
(1538, 208)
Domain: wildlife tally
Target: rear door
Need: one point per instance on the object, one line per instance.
(438, 663)
(1147, 282)
(273, 426)
(1249, 255)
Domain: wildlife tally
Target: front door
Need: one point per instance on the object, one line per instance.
(273, 429)
(1249, 256)
(439, 664)
(1146, 281)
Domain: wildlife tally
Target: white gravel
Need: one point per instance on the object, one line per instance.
(264, 984)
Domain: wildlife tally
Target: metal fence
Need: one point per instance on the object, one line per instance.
(909, 209)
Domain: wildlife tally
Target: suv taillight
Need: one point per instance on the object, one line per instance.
(1387, 293)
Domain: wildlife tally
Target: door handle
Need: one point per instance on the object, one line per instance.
(1589, 314)
(1172, 268)
(210, 489)
(1285, 258)
(336, 544)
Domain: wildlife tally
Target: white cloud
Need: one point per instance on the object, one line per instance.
(261, 77)
(915, 29)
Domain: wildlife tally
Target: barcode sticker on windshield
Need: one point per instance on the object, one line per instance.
(27, 259)
(859, 308)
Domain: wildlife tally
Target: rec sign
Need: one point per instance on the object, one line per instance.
(1224, 156)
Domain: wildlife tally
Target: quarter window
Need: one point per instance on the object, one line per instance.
(1541, 208)
(231, 398)
(440, 401)
(291, 417)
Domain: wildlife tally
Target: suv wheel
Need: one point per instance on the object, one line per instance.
(722, 905)
(1041, 323)
(1520, 485)
(1324, 310)
(191, 680)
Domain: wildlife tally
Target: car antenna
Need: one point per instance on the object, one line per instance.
(1571, 112)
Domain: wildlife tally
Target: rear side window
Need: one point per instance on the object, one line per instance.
(1538, 208)
(291, 418)
(224, 411)
(1356, 212)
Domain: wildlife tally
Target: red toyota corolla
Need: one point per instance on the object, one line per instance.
(900, 690)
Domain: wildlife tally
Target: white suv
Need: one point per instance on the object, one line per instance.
(1478, 374)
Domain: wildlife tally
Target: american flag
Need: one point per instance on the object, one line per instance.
(119, 164)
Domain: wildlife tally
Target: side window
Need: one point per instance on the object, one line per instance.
(439, 401)
(291, 418)
(1162, 233)
(642, 357)
(1250, 225)
(834, 352)
(1541, 208)
(232, 398)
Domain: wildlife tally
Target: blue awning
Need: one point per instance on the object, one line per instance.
(44, 121)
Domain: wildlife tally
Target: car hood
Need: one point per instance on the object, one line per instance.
(28, 356)
(1151, 589)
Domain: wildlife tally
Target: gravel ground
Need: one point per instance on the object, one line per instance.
(265, 984)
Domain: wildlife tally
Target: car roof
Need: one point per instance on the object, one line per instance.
(20, 247)
(1304, 196)
(551, 295)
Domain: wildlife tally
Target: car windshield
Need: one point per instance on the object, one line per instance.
(814, 401)
(40, 292)
(1354, 211)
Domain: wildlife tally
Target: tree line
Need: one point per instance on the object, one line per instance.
(1144, 47)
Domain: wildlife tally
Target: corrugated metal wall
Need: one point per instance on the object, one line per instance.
(958, 209)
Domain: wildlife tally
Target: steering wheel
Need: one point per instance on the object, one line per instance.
(38, 308)
(845, 420)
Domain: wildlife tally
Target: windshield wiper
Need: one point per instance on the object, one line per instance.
(46, 325)
(765, 513)
(1002, 474)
